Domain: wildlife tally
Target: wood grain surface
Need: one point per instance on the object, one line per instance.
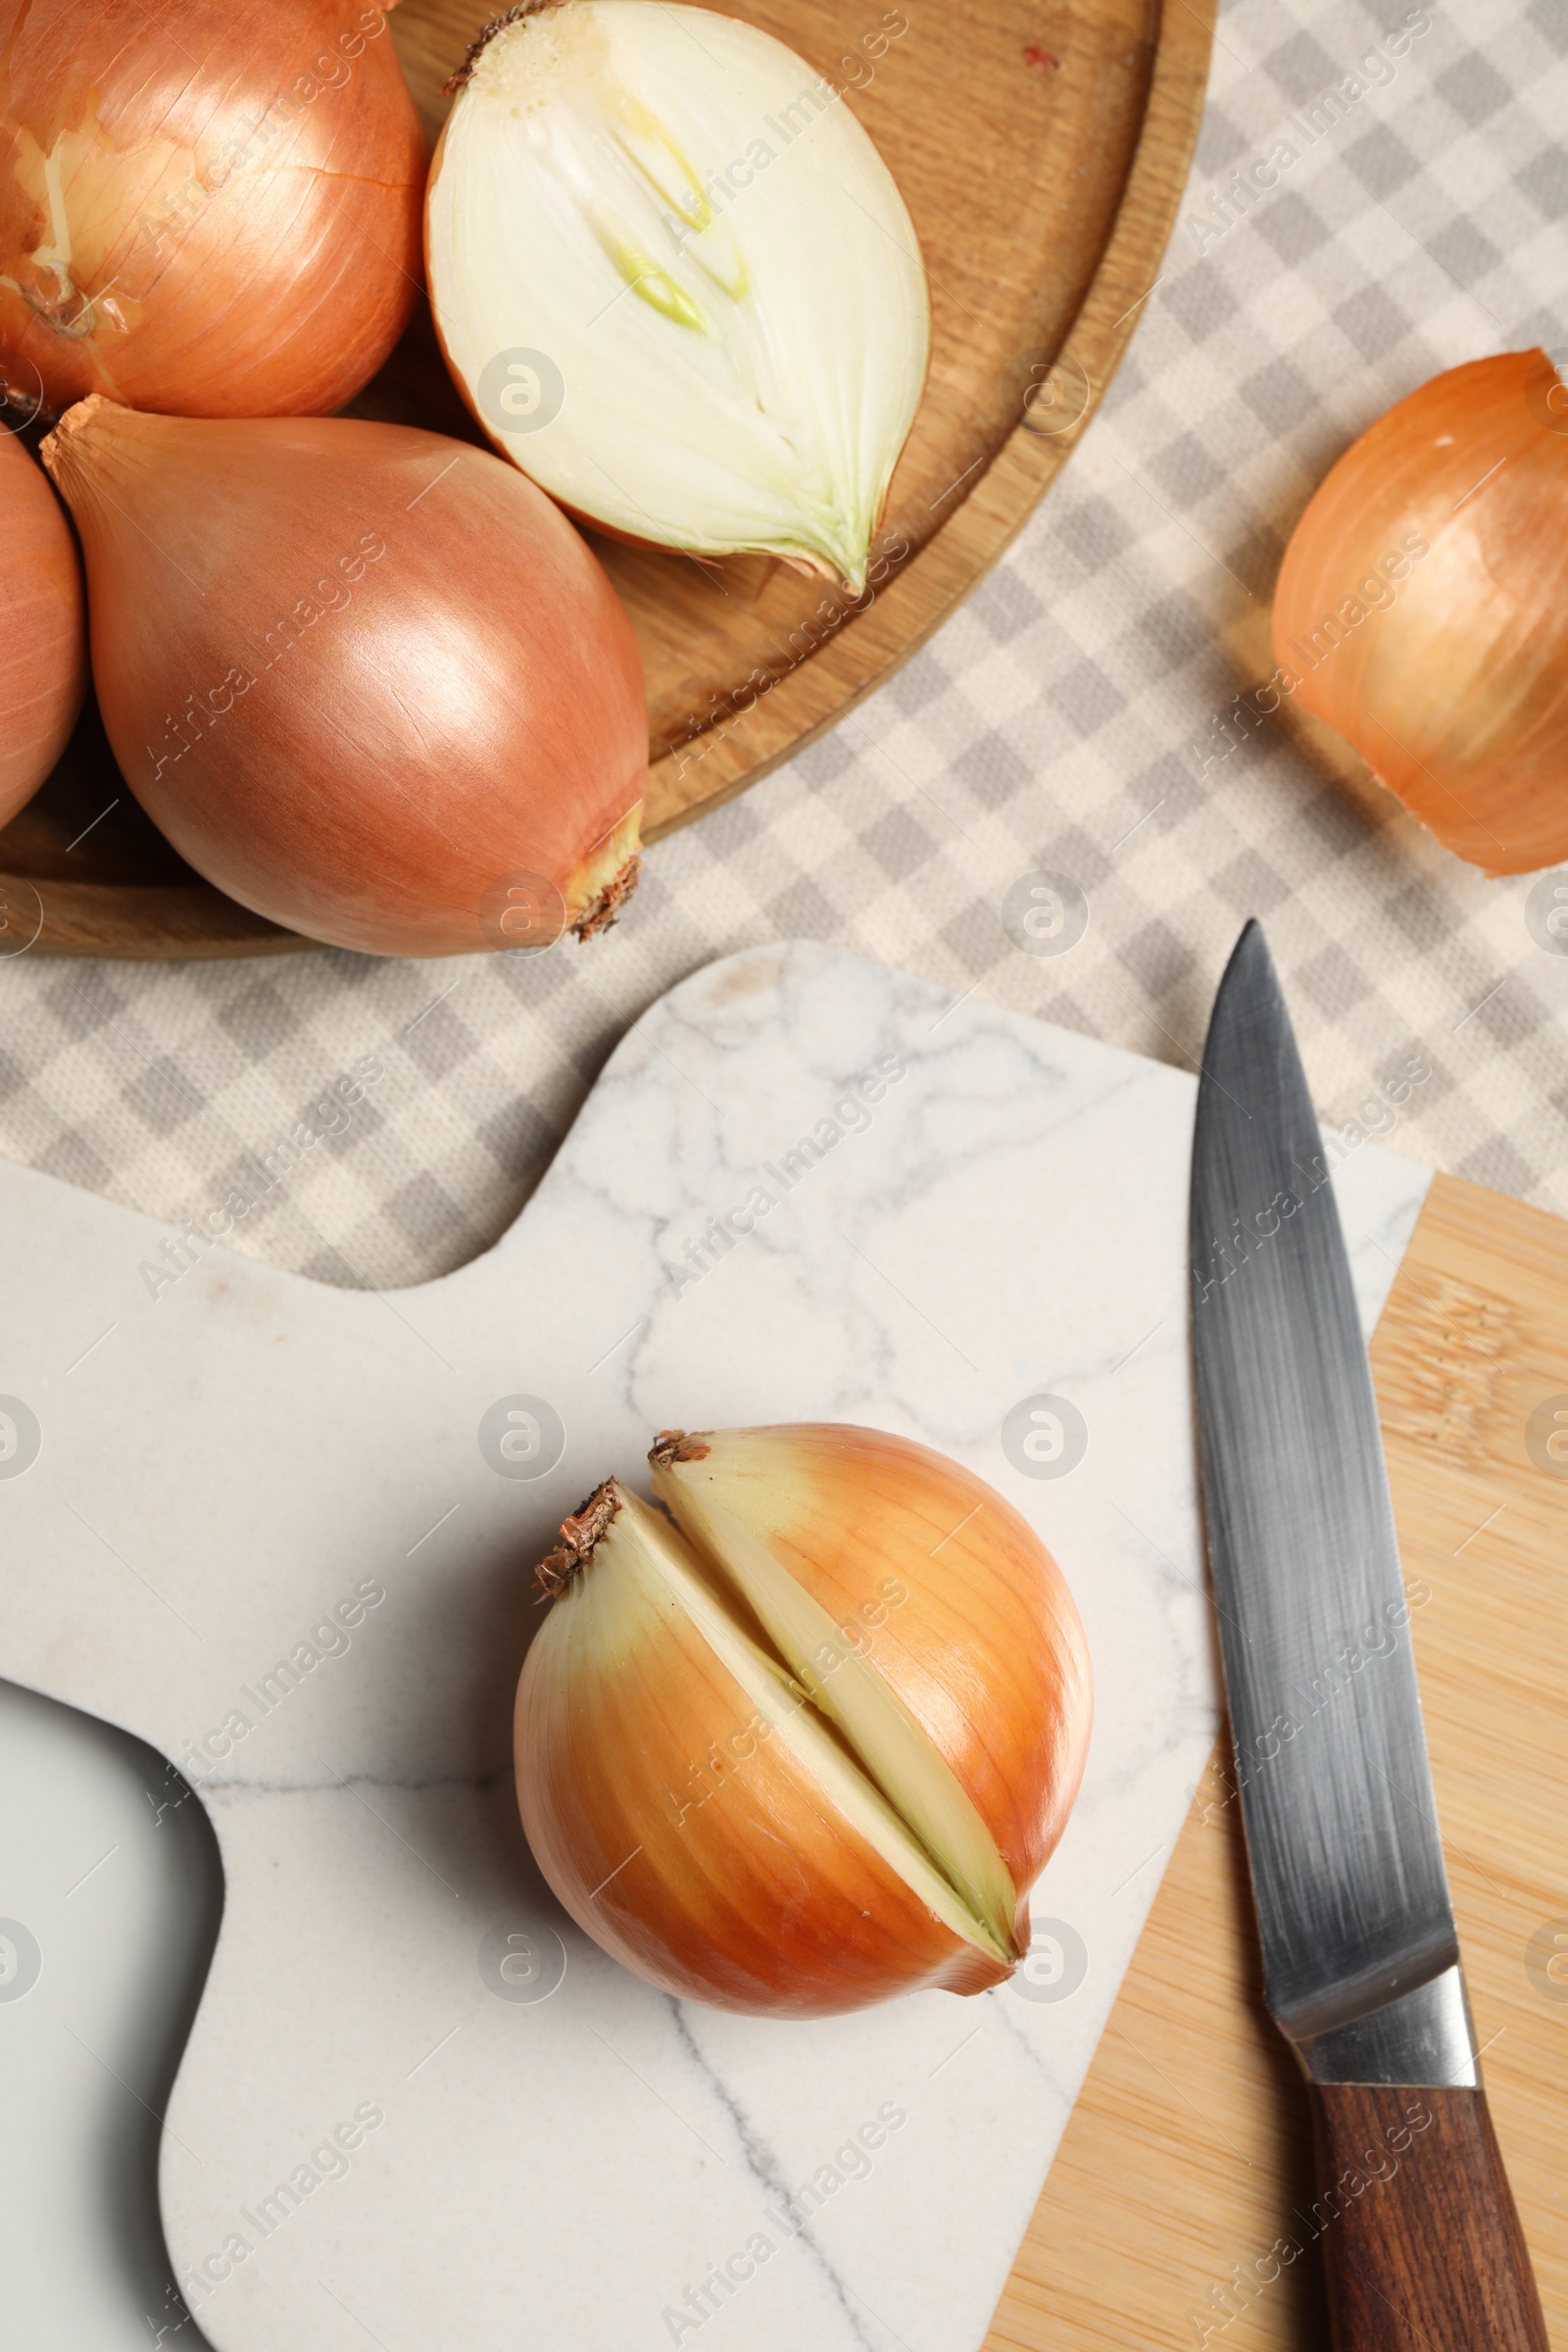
(1178, 2212)
(1042, 147)
(1421, 2238)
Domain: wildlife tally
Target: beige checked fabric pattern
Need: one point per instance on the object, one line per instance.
(1083, 717)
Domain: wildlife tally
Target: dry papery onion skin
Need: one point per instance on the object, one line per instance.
(676, 281)
(367, 680)
(1422, 608)
(213, 211)
(43, 634)
(802, 1736)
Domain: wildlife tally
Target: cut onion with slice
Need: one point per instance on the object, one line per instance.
(804, 1738)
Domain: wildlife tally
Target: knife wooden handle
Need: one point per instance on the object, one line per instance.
(1421, 2242)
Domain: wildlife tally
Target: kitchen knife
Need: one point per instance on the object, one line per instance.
(1421, 2241)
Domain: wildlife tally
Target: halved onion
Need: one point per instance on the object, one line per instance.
(676, 281)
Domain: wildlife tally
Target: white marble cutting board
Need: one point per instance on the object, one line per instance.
(240, 1455)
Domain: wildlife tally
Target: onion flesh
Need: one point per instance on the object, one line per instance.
(676, 281)
(1422, 608)
(367, 680)
(772, 1800)
(213, 210)
(43, 636)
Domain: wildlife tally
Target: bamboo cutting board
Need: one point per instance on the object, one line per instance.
(1189, 2154)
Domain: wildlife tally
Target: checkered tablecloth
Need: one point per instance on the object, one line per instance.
(1063, 722)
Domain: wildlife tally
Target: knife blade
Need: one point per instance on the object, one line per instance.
(1360, 1956)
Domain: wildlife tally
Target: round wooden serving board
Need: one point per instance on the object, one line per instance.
(1042, 147)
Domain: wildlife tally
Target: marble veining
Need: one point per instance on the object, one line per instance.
(251, 1471)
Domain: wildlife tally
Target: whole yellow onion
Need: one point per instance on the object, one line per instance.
(806, 1735)
(212, 210)
(1422, 608)
(43, 628)
(366, 680)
